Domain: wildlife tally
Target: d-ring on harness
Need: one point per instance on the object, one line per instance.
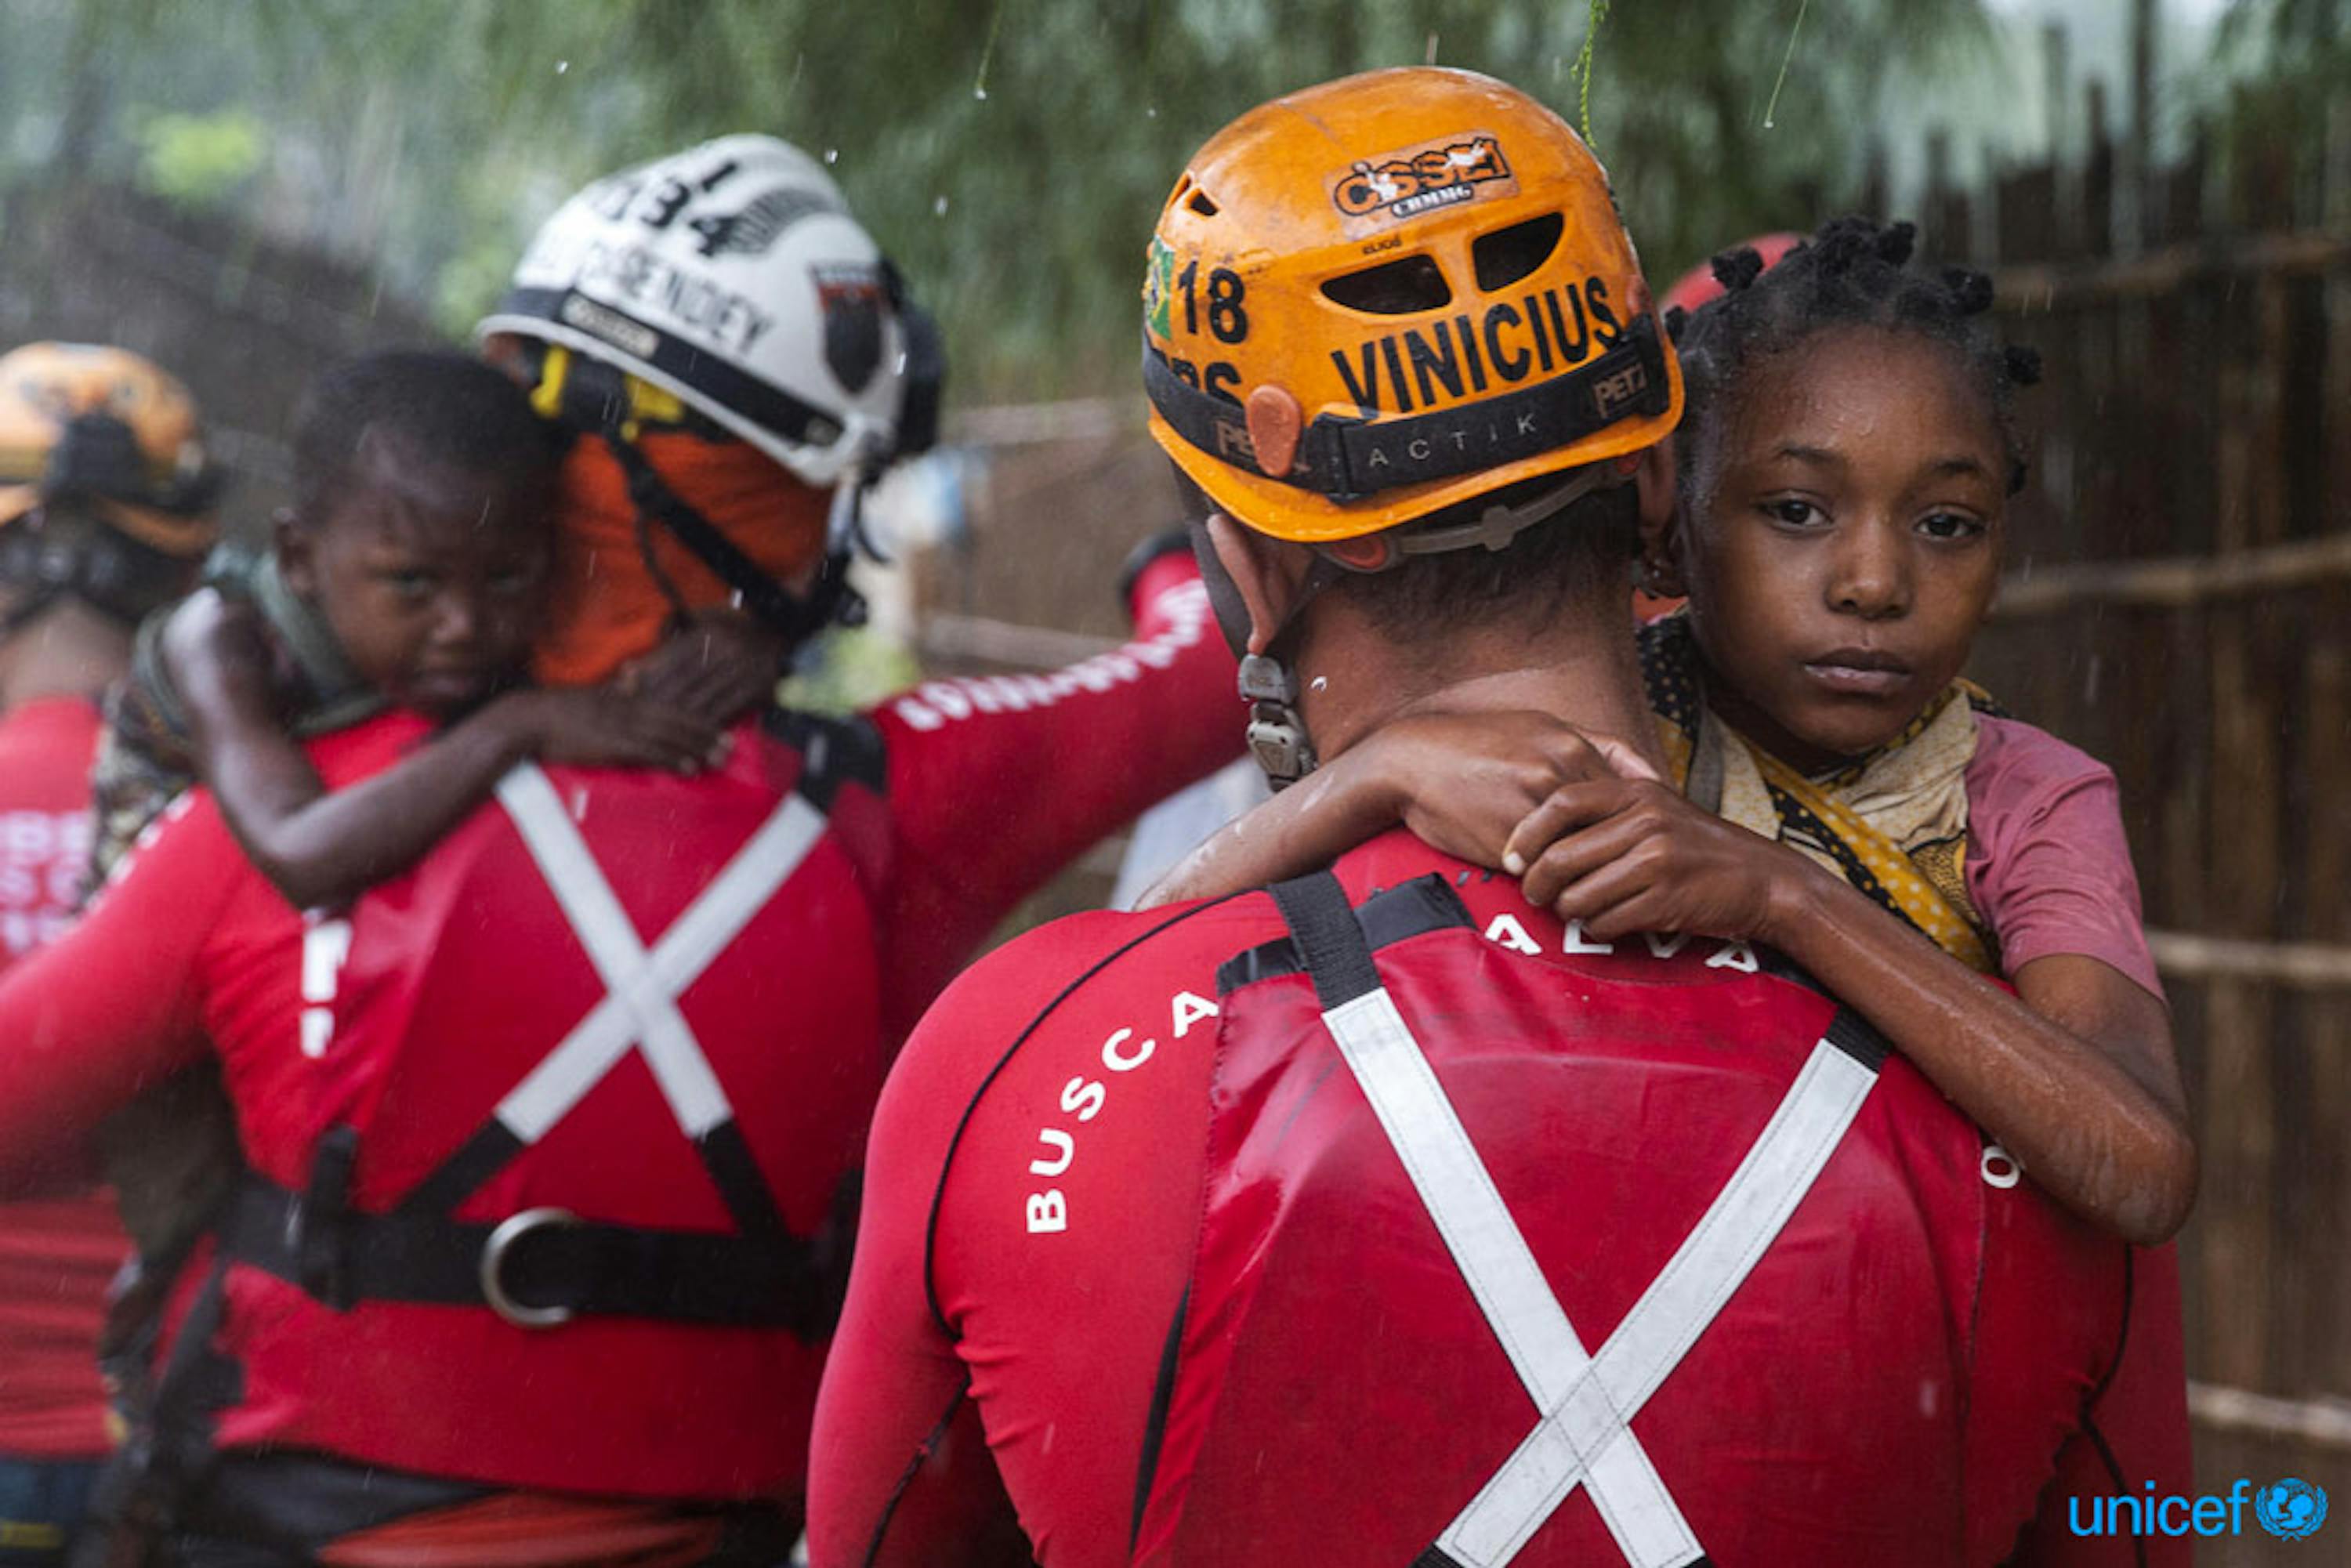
(1586, 1402)
(541, 1266)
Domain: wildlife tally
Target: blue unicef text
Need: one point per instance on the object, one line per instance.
(2290, 1510)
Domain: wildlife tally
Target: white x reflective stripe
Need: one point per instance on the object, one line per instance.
(1587, 1403)
(1706, 1270)
(1500, 1271)
(641, 1007)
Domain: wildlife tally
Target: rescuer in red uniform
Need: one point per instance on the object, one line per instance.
(548, 1139)
(1379, 1218)
(105, 508)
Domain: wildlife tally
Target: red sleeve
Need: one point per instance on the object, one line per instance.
(901, 1473)
(110, 1006)
(2140, 1422)
(996, 783)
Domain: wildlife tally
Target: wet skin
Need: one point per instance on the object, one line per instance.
(431, 577)
(1848, 541)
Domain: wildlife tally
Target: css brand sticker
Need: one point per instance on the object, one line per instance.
(2291, 1510)
(1435, 175)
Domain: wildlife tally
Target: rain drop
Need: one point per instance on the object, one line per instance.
(939, 207)
(980, 92)
(832, 154)
(561, 66)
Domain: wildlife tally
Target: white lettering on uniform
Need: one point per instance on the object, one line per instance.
(1667, 946)
(1190, 1010)
(1734, 956)
(1507, 931)
(934, 703)
(325, 944)
(1119, 1060)
(1576, 942)
(1066, 1149)
(1083, 1100)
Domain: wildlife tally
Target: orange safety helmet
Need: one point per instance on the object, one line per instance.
(108, 429)
(1378, 297)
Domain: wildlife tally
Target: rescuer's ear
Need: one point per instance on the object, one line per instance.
(1268, 574)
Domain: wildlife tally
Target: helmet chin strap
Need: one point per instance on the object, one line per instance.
(794, 617)
(1277, 730)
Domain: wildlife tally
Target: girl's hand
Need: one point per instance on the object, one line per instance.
(1460, 780)
(1625, 855)
(1463, 782)
(607, 726)
(718, 666)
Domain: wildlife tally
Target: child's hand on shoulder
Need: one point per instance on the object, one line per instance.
(605, 725)
(1465, 781)
(210, 634)
(718, 666)
(1625, 855)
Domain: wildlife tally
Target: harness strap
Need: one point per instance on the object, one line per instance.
(1346, 459)
(794, 618)
(539, 1267)
(1586, 1402)
(541, 1262)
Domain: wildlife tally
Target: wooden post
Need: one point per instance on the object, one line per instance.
(2097, 215)
(2145, 223)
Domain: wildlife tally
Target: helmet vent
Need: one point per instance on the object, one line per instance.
(1401, 287)
(1505, 256)
(1201, 204)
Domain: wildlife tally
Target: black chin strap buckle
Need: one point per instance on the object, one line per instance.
(1277, 734)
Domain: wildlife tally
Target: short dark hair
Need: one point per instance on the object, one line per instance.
(441, 406)
(1853, 273)
(1539, 576)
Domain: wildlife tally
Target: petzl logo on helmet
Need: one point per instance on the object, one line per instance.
(1422, 179)
(851, 300)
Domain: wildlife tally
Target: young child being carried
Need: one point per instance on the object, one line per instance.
(412, 571)
(1844, 468)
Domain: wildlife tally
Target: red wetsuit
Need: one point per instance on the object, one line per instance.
(410, 1062)
(56, 1255)
(1126, 1206)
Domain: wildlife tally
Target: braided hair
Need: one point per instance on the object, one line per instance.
(1853, 273)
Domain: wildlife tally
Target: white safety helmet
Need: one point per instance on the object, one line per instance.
(732, 275)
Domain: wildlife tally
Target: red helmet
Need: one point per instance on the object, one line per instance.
(1695, 286)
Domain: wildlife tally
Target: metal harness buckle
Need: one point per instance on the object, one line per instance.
(494, 1256)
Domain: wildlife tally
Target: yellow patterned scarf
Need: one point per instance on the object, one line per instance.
(1893, 823)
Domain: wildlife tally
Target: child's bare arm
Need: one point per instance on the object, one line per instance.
(2075, 1075)
(1461, 781)
(321, 848)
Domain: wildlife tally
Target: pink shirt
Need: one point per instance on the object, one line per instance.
(2048, 865)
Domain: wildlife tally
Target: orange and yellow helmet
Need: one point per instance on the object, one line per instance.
(107, 428)
(1376, 299)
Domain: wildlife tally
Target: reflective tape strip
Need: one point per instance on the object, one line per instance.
(1657, 1332)
(1511, 1291)
(641, 1005)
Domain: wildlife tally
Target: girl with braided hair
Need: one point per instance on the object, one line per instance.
(1844, 468)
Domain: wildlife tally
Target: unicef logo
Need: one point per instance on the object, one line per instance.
(2291, 1510)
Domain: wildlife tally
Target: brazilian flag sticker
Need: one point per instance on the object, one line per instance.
(1159, 288)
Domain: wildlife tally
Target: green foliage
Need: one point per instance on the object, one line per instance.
(1011, 153)
(199, 158)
